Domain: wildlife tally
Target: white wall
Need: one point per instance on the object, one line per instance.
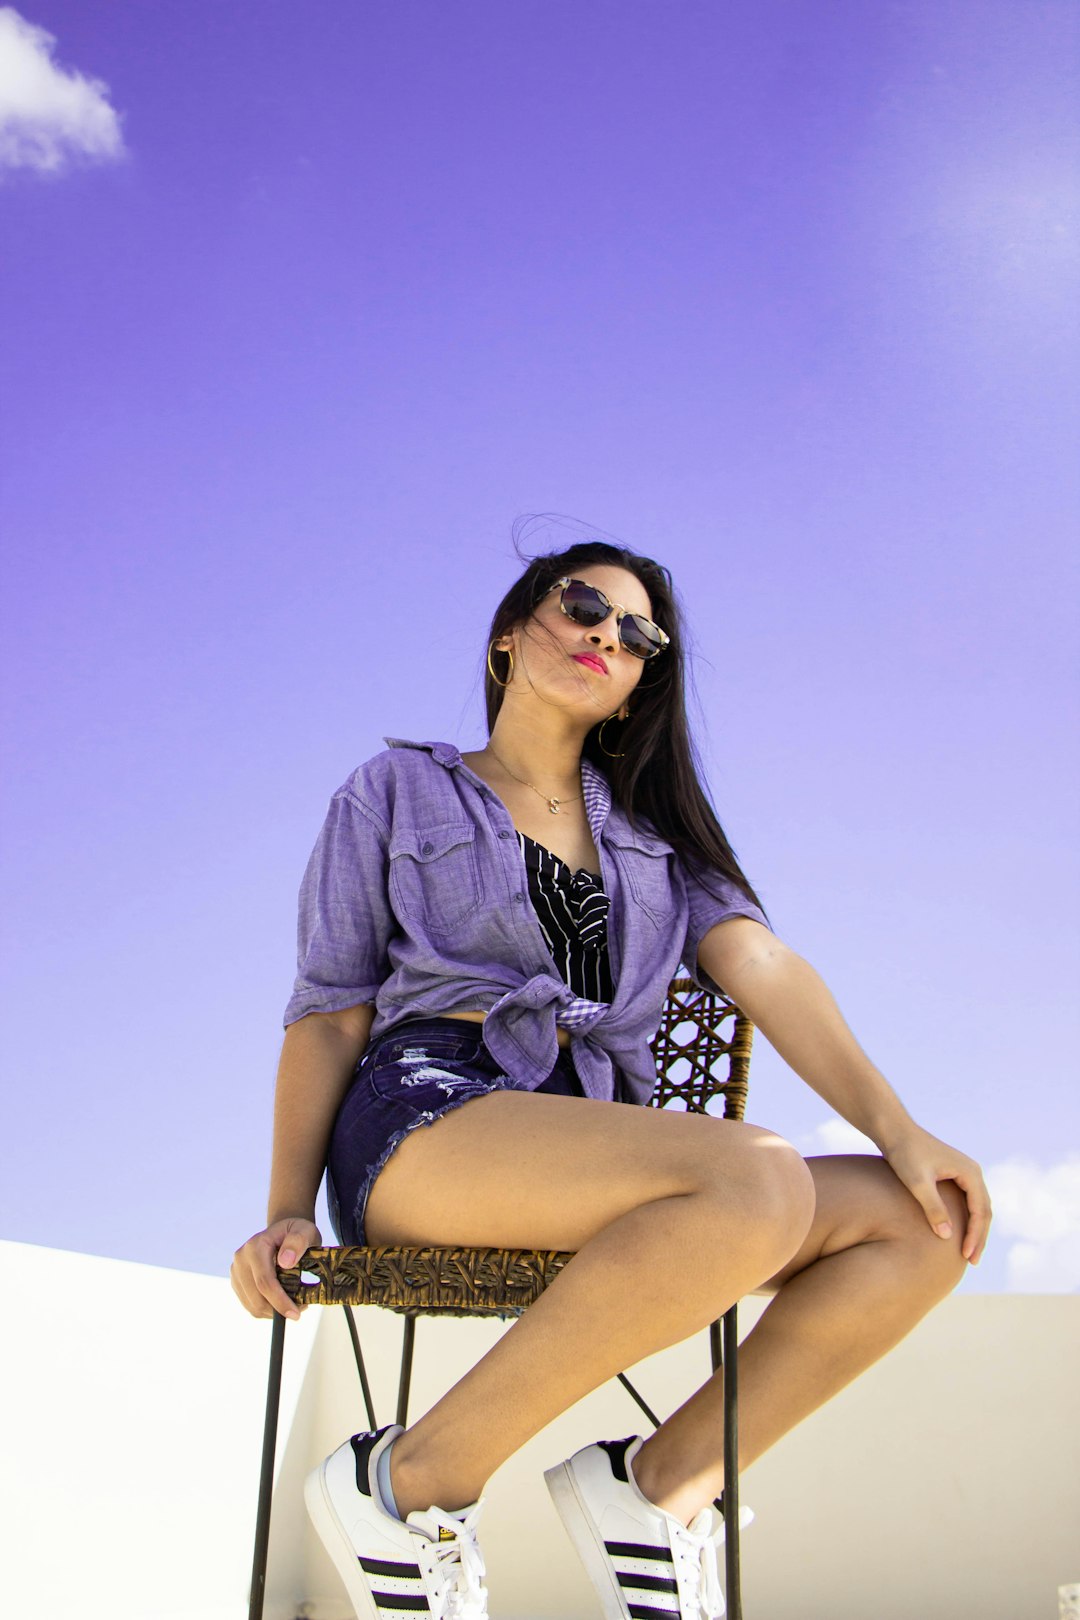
(945, 1482)
(133, 1401)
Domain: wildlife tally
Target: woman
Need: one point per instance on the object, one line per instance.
(501, 926)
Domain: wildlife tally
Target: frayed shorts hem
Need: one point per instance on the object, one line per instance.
(428, 1117)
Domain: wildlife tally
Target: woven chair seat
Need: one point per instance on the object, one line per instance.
(427, 1281)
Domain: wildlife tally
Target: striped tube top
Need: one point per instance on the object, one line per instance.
(572, 910)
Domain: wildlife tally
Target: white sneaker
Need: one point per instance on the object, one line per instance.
(429, 1563)
(644, 1563)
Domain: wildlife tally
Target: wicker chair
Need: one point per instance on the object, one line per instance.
(689, 1047)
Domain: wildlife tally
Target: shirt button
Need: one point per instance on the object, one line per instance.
(427, 849)
(504, 835)
(519, 897)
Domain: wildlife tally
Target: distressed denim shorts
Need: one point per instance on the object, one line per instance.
(409, 1077)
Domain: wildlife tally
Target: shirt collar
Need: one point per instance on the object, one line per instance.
(444, 752)
(594, 784)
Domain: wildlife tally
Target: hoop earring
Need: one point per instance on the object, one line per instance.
(600, 738)
(510, 672)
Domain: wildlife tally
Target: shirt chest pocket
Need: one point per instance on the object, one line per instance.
(435, 875)
(644, 863)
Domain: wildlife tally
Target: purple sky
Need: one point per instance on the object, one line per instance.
(782, 294)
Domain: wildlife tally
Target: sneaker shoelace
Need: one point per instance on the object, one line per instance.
(695, 1548)
(460, 1565)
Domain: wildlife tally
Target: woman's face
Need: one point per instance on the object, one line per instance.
(582, 668)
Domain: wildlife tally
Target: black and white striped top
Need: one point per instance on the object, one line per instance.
(572, 910)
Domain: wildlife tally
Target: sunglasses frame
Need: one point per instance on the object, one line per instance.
(620, 613)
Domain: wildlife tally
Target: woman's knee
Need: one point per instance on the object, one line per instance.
(872, 1205)
(939, 1260)
(773, 1194)
(793, 1190)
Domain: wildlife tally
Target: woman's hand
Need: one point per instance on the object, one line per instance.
(253, 1276)
(921, 1161)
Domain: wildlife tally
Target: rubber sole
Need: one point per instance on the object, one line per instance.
(587, 1540)
(338, 1545)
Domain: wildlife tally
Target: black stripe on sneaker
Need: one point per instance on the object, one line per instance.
(648, 1583)
(637, 1549)
(363, 1445)
(396, 1603)
(384, 1566)
(646, 1611)
(616, 1450)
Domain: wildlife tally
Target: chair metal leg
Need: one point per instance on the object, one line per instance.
(731, 1464)
(407, 1340)
(724, 1353)
(648, 1411)
(716, 1355)
(266, 1477)
(358, 1355)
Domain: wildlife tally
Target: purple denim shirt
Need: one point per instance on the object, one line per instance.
(415, 898)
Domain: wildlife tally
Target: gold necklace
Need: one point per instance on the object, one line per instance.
(552, 802)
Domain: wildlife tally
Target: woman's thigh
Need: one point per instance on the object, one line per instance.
(521, 1169)
(860, 1199)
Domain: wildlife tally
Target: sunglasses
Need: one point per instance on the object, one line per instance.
(584, 604)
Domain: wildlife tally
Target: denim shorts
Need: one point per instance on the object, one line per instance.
(411, 1076)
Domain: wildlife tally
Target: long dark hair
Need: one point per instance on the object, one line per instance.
(657, 776)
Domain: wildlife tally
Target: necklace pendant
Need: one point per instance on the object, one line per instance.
(553, 806)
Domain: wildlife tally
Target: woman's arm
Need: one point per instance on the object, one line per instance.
(788, 1001)
(318, 1057)
(317, 1061)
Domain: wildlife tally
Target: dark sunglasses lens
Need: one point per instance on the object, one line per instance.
(639, 636)
(584, 604)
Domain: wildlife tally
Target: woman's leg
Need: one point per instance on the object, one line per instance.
(869, 1270)
(673, 1216)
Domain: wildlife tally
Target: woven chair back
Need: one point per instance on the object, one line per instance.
(702, 1051)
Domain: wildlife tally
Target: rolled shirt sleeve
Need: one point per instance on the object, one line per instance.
(344, 921)
(709, 905)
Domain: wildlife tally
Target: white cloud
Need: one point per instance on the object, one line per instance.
(837, 1136)
(49, 114)
(1040, 1210)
